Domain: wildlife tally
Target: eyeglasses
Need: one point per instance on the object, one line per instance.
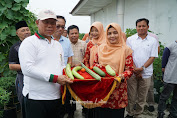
(59, 26)
(46, 22)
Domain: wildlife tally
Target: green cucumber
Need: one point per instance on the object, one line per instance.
(99, 71)
(110, 71)
(68, 71)
(74, 72)
(94, 75)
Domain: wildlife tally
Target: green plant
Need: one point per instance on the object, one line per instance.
(4, 99)
(81, 35)
(129, 32)
(7, 83)
(11, 12)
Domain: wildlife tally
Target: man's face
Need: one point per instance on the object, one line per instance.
(60, 24)
(46, 27)
(73, 35)
(142, 28)
(23, 33)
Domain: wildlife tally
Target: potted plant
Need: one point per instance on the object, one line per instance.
(4, 99)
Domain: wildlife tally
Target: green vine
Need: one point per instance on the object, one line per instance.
(11, 12)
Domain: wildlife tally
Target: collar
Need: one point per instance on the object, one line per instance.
(38, 35)
(137, 37)
(78, 41)
(61, 38)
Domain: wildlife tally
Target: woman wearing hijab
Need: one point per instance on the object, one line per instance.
(98, 37)
(119, 56)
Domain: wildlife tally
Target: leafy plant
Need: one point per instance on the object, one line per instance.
(11, 12)
(7, 83)
(4, 99)
(81, 35)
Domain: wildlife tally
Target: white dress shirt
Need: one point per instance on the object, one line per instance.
(142, 51)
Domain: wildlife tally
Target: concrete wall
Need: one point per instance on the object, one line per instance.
(161, 14)
(106, 15)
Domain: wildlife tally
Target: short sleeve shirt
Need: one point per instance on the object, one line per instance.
(79, 51)
(66, 45)
(142, 51)
(13, 54)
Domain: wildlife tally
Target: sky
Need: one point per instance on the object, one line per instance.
(61, 7)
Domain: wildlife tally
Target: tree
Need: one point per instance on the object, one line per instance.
(11, 12)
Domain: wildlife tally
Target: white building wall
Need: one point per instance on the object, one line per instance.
(106, 15)
(161, 14)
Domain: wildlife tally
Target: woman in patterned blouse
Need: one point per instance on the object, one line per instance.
(119, 56)
(98, 37)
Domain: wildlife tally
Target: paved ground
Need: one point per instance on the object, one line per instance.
(146, 113)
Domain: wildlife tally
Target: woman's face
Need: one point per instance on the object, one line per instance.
(94, 33)
(113, 36)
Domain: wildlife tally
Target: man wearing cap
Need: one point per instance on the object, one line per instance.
(22, 31)
(42, 63)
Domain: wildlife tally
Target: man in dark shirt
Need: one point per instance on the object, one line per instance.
(22, 31)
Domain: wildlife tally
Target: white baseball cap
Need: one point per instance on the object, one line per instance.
(46, 14)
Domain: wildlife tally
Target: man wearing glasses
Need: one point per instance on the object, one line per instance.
(68, 53)
(65, 42)
(42, 63)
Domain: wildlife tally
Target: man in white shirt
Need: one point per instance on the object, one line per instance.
(42, 63)
(145, 49)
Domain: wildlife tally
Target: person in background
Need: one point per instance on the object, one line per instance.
(65, 42)
(88, 38)
(85, 37)
(169, 67)
(68, 53)
(42, 62)
(145, 49)
(118, 55)
(78, 46)
(98, 37)
(65, 33)
(22, 31)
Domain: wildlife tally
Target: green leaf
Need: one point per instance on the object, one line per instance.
(18, 1)
(13, 31)
(2, 57)
(8, 3)
(2, 8)
(2, 2)
(10, 14)
(24, 3)
(3, 36)
(3, 25)
(16, 7)
(19, 16)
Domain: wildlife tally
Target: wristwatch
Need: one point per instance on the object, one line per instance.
(143, 68)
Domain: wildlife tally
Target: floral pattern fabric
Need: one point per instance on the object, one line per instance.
(119, 98)
(87, 53)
